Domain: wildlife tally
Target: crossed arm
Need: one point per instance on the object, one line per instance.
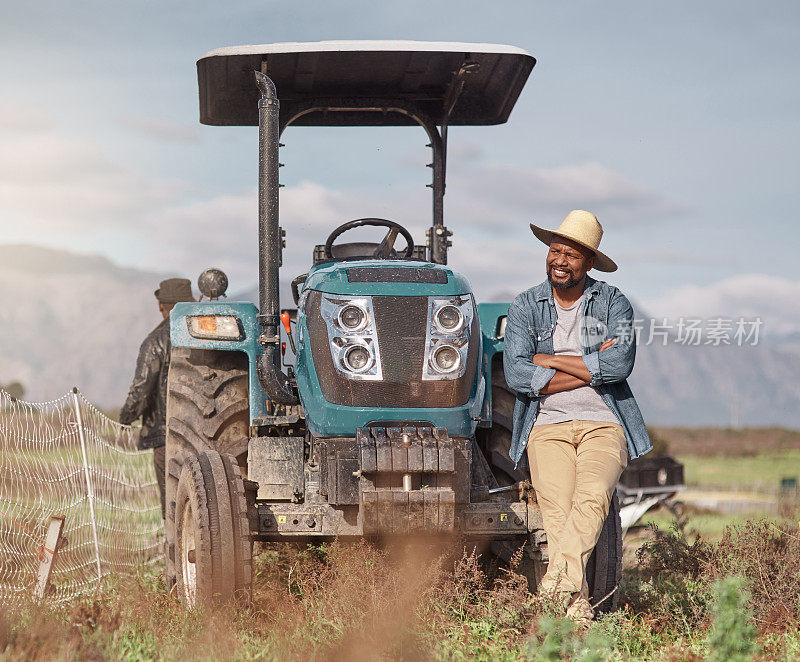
(571, 371)
(531, 373)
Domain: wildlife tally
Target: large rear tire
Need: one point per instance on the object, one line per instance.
(604, 568)
(495, 442)
(207, 409)
(213, 549)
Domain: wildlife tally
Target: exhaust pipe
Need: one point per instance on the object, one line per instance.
(273, 380)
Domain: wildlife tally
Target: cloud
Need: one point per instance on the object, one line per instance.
(55, 186)
(501, 194)
(22, 118)
(161, 129)
(677, 257)
(49, 183)
(772, 298)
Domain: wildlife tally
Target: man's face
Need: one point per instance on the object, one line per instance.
(567, 263)
(165, 308)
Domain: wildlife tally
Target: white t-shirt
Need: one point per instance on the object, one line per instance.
(579, 404)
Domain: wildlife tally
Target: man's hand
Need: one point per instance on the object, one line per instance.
(607, 344)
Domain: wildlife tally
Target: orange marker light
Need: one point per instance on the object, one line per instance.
(214, 327)
(208, 324)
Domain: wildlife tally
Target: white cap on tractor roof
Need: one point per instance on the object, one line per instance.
(366, 45)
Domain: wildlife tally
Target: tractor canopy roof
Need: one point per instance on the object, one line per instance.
(349, 83)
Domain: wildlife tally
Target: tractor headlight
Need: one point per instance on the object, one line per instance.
(445, 359)
(352, 318)
(357, 358)
(448, 336)
(352, 336)
(449, 319)
(214, 327)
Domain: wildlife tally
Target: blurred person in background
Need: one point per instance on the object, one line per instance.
(147, 397)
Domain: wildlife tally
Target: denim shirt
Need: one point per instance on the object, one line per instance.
(529, 330)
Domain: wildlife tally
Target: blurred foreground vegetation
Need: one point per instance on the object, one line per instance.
(682, 598)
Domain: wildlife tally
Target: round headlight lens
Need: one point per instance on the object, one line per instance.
(352, 318)
(446, 359)
(357, 358)
(449, 319)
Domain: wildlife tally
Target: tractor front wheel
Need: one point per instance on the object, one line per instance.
(212, 535)
(207, 409)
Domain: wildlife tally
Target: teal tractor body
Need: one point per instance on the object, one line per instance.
(391, 416)
(327, 417)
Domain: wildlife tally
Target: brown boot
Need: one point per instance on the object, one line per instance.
(580, 611)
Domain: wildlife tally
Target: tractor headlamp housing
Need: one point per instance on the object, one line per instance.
(445, 359)
(448, 336)
(357, 358)
(214, 327)
(352, 336)
(352, 317)
(448, 319)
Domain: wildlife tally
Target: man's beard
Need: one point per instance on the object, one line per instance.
(565, 285)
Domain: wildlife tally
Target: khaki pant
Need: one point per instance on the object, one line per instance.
(575, 467)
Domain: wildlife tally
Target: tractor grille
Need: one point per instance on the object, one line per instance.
(400, 323)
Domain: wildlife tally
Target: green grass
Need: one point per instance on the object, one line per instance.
(707, 524)
(763, 471)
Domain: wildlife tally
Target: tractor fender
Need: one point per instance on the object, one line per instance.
(246, 313)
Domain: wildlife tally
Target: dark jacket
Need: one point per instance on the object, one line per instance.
(148, 394)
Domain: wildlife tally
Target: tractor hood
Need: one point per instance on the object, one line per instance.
(394, 278)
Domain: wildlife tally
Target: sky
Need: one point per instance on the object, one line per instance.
(677, 123)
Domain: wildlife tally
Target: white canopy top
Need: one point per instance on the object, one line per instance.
(365, 45)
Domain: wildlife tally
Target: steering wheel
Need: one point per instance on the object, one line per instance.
(385, 248)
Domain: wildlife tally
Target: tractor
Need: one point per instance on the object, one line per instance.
(394, 419)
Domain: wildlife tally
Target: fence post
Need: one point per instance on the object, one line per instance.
(49, 551)
(89, 490)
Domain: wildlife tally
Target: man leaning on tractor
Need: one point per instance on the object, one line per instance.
(148, 393)
(569, 348)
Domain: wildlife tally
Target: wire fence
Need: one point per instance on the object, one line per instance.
(78, 501)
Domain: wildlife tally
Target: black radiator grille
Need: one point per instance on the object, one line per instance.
(400, 323)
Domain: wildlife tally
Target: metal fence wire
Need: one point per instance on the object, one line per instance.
(66, 459)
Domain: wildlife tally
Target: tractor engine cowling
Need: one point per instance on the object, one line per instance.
(392, 351)
(382, 343)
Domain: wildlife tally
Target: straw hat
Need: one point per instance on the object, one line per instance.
(583, 228)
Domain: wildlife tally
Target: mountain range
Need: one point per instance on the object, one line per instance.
(69, 319)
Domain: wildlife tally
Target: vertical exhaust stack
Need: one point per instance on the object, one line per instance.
(273, 380)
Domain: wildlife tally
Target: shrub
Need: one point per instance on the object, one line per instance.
(732, 637)
(668, 583)
(767, 555)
